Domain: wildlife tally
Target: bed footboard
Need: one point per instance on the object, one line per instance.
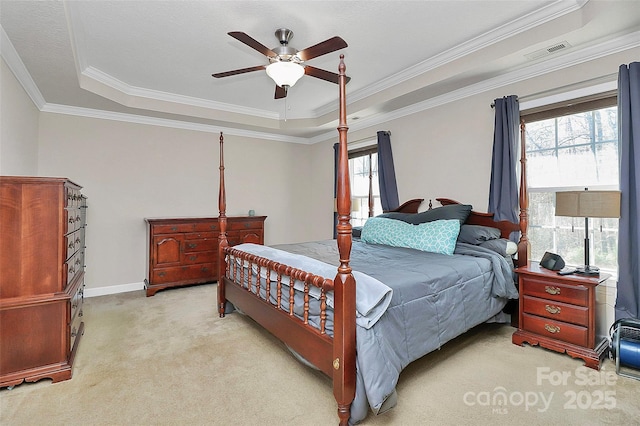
(261, 288)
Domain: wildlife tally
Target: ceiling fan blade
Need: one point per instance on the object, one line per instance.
(281, 92)
(323, 74)
(254, 44)
(322, 48)
(239, 71)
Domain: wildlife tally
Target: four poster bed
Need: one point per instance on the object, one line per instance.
(388, 304)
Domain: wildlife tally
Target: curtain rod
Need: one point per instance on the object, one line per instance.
(569, 87)
(493, 104)
(374, 137)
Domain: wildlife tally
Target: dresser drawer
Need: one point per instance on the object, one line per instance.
(73, 219)
(202, 272)
(75, 330)
(199, 257)
(74, 197)
(209, 235)
(76, 302)
(172, 228)
(73, 242)
(203, 244)
(559, 311)
(74, 267)
(558, 330)
(574, 294)
(239, 225)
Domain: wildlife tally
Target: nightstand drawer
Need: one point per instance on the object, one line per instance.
(559, 311)
(574, 294)
(555, 329)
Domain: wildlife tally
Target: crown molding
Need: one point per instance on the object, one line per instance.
(163, 122)
(125, 94)
(15, 64)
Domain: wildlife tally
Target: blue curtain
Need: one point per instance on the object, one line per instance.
(628, 299)
(386, 173)
(503, 188)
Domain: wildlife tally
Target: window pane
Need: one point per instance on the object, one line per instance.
(572, 152)
(363, 171)
(579, 150)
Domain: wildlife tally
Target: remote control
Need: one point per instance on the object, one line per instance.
(567, 271)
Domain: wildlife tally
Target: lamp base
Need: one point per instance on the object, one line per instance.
(588, 270)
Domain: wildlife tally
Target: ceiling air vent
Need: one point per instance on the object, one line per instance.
(548, 50)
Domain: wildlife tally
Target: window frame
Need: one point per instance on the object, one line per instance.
(592, 102)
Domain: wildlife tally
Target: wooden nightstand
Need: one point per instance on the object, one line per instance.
(558, 313)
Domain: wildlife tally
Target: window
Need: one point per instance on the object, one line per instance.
(365, 190)
(572, 149)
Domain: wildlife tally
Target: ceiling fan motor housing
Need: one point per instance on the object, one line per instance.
(284, 51)
(284, 35)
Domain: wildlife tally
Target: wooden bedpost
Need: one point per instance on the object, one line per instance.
(222, 238)
(344, 333)
(524, 247)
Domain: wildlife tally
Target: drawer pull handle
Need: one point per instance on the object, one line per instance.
(552, 290)
(192, 258)
(192, 245)
(552, 309)
(162, 274)
(552, 328)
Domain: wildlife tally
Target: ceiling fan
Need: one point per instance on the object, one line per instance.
(287, 64)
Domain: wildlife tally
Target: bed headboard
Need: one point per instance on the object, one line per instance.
(485, 219)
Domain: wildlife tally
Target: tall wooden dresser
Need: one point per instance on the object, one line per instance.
(184, 251)
(42, 245)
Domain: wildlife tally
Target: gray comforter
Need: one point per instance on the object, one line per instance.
(434, 298)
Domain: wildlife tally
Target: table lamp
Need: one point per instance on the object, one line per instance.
(605, 204)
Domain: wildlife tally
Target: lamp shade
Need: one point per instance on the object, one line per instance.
(285, 73)
(588, 203)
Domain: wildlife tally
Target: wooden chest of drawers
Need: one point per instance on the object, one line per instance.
(42, 223)
(184, 251)
(558, 313)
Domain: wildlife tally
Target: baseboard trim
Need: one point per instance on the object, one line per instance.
(113, 289)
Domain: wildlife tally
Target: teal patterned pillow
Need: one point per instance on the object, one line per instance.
(438, 236)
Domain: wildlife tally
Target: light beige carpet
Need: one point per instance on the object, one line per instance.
(169, 359)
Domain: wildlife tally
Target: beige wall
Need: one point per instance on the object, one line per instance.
(18, 127)
(132, 171)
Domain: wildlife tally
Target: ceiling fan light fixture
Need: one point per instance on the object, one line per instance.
(285, 73)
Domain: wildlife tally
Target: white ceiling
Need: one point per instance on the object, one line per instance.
(151, 61)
